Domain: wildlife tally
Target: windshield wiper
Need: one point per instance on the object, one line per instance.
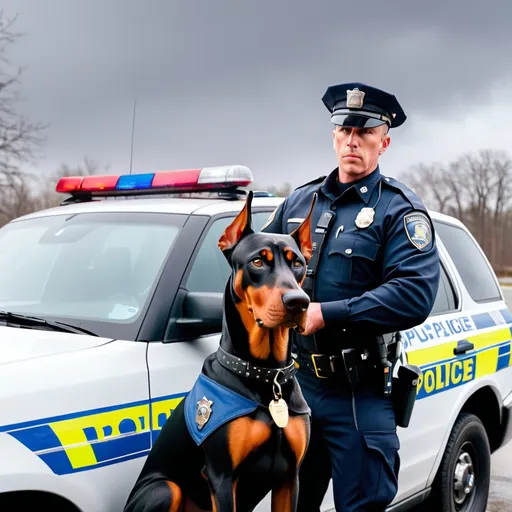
(34, 321)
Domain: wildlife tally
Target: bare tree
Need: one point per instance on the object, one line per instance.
(48, 197)
(477, 189)
(454, 181)
(19, 138)
(87, 168)
(22, 193)
(429, 182)
(502, 203)
(479, 184)
(16, 197)
(282, 190)
(486, 178)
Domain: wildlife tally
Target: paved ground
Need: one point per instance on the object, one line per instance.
(500, 498)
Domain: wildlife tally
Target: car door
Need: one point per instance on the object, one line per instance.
(417, 464)
(469, 315)
(175, 363)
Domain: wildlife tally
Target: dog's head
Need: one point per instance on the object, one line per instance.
(268, 270)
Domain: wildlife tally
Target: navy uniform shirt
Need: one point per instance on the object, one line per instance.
(373, 280)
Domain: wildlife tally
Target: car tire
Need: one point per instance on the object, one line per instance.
(463, 479)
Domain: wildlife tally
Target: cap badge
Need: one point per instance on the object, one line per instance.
(203, 412)
(355, 98)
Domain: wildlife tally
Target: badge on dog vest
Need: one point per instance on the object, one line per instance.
(203, 412)
(209, 405)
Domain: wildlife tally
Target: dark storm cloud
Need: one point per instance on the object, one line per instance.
(224, 81)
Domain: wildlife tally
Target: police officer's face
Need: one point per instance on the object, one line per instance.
(358, 150)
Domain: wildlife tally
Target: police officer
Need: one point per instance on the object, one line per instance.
(374, 271)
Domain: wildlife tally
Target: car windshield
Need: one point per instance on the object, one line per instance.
(87, 267)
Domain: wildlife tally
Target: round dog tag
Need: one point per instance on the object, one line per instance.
(365, 217)
(279, 412)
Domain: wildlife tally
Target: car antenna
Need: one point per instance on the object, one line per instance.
(133, 131)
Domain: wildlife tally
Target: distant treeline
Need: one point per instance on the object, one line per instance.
(476, 188)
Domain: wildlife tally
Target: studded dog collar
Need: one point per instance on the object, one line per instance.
(251, 371)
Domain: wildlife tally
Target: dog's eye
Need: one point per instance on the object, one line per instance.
(257, 262)
(297, 264)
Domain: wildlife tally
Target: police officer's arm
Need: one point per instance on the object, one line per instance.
(410, 280)
(274, 223)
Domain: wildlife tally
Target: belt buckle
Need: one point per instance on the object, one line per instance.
(313, 356)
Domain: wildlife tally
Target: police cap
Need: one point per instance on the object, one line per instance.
(359, 105)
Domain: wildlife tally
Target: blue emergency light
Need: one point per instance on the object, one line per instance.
(189, 180)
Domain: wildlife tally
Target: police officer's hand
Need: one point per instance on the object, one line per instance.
(314, 320)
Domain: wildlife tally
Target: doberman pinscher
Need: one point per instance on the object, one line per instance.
(243, 429)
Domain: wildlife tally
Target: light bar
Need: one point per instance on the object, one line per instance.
(187, 180)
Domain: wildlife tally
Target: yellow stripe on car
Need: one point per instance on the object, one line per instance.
(103, 426)
(443, 369)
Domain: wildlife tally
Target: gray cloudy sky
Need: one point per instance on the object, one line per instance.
(221, 82)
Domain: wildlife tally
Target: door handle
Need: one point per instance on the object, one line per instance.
(462, 347)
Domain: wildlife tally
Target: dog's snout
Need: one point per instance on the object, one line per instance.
(296, 301)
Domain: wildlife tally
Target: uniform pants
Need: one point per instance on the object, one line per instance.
(353, 441)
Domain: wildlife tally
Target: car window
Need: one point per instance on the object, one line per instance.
(471, 265)
(210, 270)
(91, 266)
(446, 300)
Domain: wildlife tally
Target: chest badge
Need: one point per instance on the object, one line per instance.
(365, 217)
(203, 412)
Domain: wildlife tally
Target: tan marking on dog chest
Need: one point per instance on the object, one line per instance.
(296, 433)
(282, 498)
(244, 436)
(280, 345)
(176, 497)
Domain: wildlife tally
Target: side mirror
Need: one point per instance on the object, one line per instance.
(195, 314)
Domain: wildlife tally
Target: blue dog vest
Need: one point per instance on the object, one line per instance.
(213, 405)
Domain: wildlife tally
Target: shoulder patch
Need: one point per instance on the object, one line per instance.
(419, 230)
(413, 199)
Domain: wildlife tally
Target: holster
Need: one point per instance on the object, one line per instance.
(404, 392)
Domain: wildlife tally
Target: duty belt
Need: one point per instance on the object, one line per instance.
(349, 366)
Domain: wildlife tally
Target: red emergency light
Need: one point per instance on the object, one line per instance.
(187, 180)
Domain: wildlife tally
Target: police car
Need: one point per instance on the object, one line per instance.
(110, 302)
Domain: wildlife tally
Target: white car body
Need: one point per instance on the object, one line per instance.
(78, 413)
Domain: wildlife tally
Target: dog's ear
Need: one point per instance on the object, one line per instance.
(302, 235)
(241, 226)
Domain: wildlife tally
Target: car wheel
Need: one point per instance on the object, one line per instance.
(462, 482)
